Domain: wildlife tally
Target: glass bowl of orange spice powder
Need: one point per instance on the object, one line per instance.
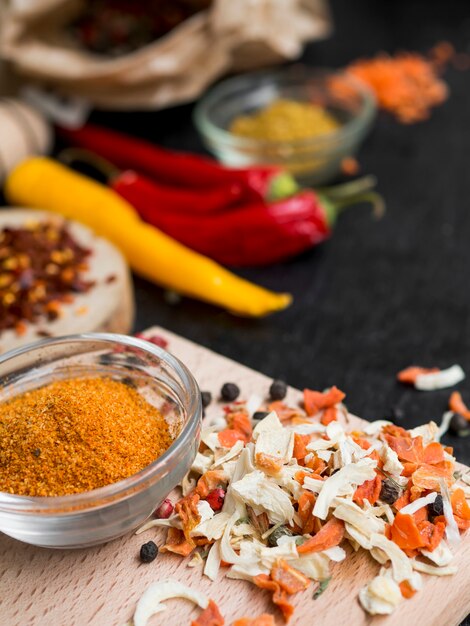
(95, 431)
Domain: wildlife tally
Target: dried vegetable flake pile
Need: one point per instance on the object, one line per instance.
(275, 500)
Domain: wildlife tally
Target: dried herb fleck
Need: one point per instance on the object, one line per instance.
(321, 588)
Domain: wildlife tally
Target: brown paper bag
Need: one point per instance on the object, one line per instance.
(233, 35)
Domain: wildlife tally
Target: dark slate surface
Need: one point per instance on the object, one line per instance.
(379, 295)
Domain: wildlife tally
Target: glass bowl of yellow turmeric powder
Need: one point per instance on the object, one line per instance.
(95, 431)
(307, 121)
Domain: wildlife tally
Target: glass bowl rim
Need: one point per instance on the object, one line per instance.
(300, 72)
(127, 486)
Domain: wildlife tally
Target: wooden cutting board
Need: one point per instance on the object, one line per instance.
(100, 586)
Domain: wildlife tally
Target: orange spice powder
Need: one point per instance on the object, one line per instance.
(406, 85)
(75, 435)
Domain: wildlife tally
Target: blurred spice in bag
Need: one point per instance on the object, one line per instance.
(228, 35)
(116, 27)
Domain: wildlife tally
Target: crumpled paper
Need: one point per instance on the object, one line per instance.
(234, 35)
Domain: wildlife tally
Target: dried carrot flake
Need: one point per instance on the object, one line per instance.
(330, 535)
(288, 578)
(405, 532)
(211, 616)
(283, 411)
(263, 581)
(263, 620)
(369, 490)
(396, 431)
(459, 504)
(329, 415)
(437, 535)
(187, 509)
(410, 374)
(306, 503)
(241, 422)
(300, 446)
(316, 401)
(270, 464)
(457, 405)
(433, 453)
(403, 500)
(176, 543)
(406, 589)
(408, 449)
(429, 476)
(229, 437)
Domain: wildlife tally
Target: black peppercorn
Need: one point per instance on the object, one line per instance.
(129, 382)
(148, 552)
(206, 398)
(229, 392)
(437, 507)
(390, 491)
(260, 415)
(459, 425)
(274, 537)
(131, 360)
(278, 390)
(106, 359)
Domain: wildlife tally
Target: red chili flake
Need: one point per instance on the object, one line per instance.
(165, 510)
(111, 279)
(157, 340)
(40, 265)
(216, 499)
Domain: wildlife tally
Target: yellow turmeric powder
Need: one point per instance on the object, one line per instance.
(285, 120)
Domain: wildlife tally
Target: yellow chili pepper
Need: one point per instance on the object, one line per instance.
(42, 183)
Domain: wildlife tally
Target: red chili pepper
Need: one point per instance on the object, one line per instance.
(179, 168)
(254, 233)
(194, 201)
(258, 233)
